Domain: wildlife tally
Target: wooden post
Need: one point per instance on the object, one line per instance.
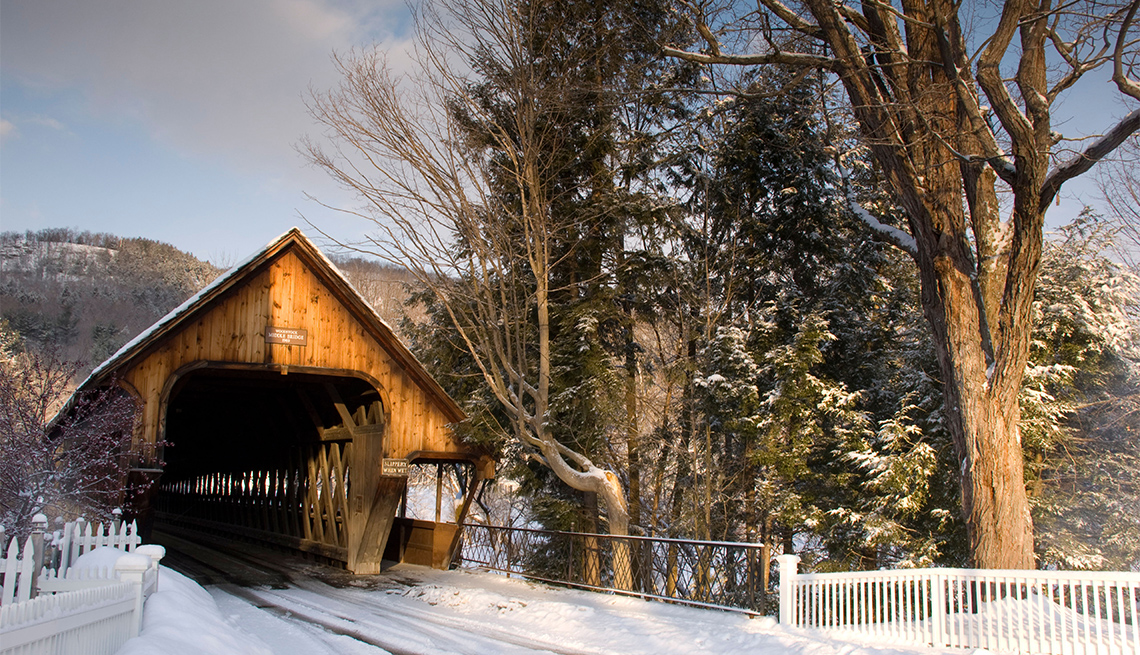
(438, 491)
(462, 515)
(765, 572)
(373, 499)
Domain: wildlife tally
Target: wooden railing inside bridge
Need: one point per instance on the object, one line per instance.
(301, 504)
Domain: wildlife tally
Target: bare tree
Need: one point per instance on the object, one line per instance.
(470, 216)
(952, 118)
(1120, 185)
(62, 465)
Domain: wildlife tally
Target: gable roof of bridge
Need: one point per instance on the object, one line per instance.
(326, 271)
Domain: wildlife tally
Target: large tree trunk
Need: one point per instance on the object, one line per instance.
(980, 315)
(604, 483)
(983, 421)
(915, 78)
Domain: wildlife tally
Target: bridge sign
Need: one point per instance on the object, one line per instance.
(287, 336)
(394, 467)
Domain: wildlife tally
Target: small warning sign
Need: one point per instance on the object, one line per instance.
(394, 467)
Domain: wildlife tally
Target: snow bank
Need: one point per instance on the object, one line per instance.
(459, 612)
(180, 618)
(604, 623)
(100, 559)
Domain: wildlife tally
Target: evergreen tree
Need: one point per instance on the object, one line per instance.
(1077, 404)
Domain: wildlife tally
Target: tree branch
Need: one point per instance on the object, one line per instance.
(899, 238)
(1015, 123)
(1083, 161)
(1126, 85)
(785, 58)
(792, 19)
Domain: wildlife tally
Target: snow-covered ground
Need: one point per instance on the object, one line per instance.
(424, 611)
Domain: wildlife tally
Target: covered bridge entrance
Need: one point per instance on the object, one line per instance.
(286, 410)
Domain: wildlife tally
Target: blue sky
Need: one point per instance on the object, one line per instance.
(174, 121)
(177, 121)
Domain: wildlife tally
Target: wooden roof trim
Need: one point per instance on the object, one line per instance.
(380, 330)
(324, 268)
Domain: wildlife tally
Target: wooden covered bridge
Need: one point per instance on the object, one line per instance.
(286, 410)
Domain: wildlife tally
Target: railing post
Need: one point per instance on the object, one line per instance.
(132, 568)
(39, 527)
(940, 604)
(155, 553)
(788, 573)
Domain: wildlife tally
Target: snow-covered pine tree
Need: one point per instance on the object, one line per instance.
(1079, 403)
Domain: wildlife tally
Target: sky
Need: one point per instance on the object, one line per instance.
(175, 121)
(178, 121)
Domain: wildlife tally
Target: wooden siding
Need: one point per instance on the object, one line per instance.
(287, 292)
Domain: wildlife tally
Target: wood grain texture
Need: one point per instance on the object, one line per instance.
(286, 292)
(328, 497)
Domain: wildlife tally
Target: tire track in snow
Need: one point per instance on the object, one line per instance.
(247, 576)
(415, 619)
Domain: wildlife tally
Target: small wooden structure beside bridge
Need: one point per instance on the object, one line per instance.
(286, 410)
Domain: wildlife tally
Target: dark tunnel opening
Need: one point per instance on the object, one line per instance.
(231, 421)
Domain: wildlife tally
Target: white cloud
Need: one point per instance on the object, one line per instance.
(212, 78)
(46, 121)
(7, 129)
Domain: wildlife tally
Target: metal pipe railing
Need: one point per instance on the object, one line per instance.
(721, 574)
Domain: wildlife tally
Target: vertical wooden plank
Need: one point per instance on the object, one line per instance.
(314, 309)
(269, 508)
(297, 495)
(233, 501)
(258, 318)
(206, 337)
(273, 500)
(257, 499)
(227, 338)
(257, 496)
(278, 298)
(253, 492)
(246, 323)
(302, 292)
(313, 506)
(337, 510)
(332, 534)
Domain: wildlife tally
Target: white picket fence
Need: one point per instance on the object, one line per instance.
(57, 552)
(79, 537)
(69, 610)
(1056, 612)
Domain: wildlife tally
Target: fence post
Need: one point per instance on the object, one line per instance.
(788, 573)
(39, 527)
(132, 569)
(940, 604)
(155, 553)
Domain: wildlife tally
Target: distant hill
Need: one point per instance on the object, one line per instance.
(385, 287)
(86, 294)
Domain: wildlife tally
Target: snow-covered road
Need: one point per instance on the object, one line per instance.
(295, 607)
(479, 613)
(396, 622)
